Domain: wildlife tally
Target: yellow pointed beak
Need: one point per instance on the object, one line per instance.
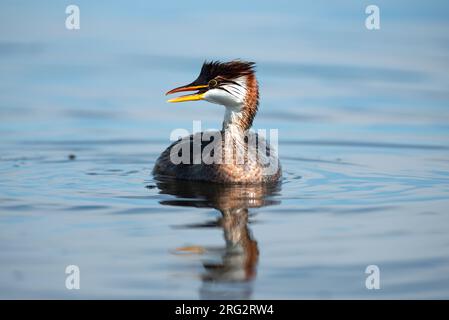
(189, 97)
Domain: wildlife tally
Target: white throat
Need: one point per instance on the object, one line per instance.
(232, 118)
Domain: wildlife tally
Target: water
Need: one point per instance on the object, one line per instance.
(363, 120)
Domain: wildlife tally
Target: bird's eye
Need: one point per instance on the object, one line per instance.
(212, 83)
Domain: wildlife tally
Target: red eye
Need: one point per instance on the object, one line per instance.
(212, 83)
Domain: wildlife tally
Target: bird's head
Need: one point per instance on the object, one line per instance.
(231, 84)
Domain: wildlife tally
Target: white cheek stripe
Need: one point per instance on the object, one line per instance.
(234, 91)
(239, 90)
(232, 99)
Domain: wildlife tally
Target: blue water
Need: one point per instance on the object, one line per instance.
(363, 120)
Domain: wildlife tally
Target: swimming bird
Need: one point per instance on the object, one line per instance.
(233, 155)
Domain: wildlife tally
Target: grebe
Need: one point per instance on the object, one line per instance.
(243, 157)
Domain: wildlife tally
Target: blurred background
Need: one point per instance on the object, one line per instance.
(363, 120)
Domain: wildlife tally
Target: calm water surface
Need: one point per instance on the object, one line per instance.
(363, 120)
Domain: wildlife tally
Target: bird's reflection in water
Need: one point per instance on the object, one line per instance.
(235, 264)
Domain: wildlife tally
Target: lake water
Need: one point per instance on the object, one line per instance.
(363, 120)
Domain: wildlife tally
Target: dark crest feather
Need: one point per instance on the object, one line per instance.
(227, 70)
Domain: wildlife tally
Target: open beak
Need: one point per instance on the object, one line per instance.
(189, 97)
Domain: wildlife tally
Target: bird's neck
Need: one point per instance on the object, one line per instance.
(238, 118)
(232, 121)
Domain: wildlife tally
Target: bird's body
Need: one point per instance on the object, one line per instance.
(249, 170)
(234, 154)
